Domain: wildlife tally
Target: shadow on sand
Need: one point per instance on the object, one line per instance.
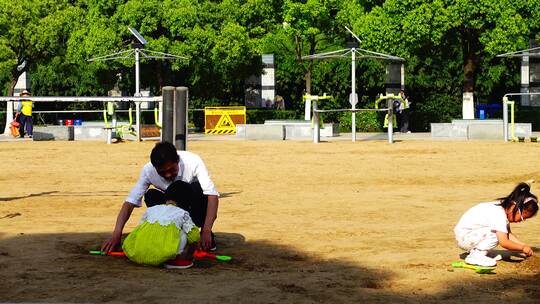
(87, 193)
(14, 198)
(64, 194)
(58, 268)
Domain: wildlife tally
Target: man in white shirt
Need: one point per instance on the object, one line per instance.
(166, 168)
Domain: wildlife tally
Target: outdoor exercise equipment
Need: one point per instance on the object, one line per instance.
(507, 102)
(119, 130)
(392, 100)
(308, 98)
(311, 99)
(175, 101)
(477, 269)
(526, 74)
(353, 50)
(138, 51)
(529, 72)
(390, 117)
(158, 115)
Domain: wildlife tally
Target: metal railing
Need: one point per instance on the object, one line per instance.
(506, 102)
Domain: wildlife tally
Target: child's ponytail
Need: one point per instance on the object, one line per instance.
(523, 198)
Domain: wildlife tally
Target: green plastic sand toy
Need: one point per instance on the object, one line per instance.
(477, 269)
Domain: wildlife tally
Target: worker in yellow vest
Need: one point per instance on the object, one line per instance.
(24, 111)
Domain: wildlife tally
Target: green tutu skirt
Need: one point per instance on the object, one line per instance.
(152, 244)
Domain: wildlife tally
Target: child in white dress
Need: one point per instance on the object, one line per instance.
(165, 235)
(487, 225)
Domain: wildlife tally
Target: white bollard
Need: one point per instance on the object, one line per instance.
(316, 124)
(505, 118)
(390, 104)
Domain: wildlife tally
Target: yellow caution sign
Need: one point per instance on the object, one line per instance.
(223, 120)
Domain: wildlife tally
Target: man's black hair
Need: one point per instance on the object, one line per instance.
(163, 153)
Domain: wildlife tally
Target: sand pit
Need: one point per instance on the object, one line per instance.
(336, 222)
(522, 264)
(531, 264)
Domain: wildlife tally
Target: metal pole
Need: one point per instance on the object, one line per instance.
(137, 72)
(307, 107)
(353, 89)
(512, 124)
(390, 104)
(505, 118)
(402, 82)
(109, 136)
(525, 80)
(77, 98)
(316, 124)
(167, 126)
(114, 123)
(180, 118)
(137, 94)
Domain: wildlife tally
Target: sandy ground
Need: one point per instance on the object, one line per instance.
(336, 222)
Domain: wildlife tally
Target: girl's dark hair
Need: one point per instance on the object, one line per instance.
(182, 193)
(523, 198)
(163, 153)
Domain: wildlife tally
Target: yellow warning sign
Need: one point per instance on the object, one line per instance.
(223, 120)
(219, 132)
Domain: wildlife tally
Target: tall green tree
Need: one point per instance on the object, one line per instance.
(449, 45)
(32, 32)
(308, 24)
(220, 40)
(306, 28)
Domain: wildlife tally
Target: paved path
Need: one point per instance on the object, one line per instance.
(341, 137)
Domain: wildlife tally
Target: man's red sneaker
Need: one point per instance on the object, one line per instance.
(178, 264)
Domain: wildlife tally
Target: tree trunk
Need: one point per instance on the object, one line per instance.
(469, 40)
(469, 72)
(298, 51)
(312, 46)
(470, 44)
(308, 78)
(159, 75)
(11, 89)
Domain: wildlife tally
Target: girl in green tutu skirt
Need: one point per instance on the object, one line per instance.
(166, 235)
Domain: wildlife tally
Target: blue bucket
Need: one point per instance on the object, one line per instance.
(77, 122)
(482, 114)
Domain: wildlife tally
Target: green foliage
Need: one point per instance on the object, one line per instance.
(258, 116)
(8, 59)
(2, 120)
(438, 38)
(365, 122)
(528, 115)
(223, 42)
(440, 108)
